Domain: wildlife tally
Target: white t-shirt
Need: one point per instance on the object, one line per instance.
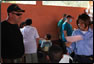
(29, 36)
(21, 29)
(65, 59)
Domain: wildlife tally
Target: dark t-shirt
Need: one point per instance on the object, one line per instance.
(12, 46)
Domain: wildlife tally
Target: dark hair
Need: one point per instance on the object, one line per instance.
(77, 23)
(85, 18)
(28, 22)
(22, 24)
(48, 36)
(69, 16)
(55, 53)
(91, 22)
(64, 15)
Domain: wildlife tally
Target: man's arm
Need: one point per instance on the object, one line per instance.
(65, 33)
(37, 41)
(37, 37)
(68, 44)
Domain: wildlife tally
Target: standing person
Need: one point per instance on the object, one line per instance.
(67, 31)
(30, 36)
(22, 25)
(21, 28)
(12, 39)
(84, 48)
(61, 21)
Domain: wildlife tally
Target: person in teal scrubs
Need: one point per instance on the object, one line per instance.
(67, 31)
(61, 21)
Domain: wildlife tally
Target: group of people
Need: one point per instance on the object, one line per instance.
(81, 50)
(65, 28)
(19, 44)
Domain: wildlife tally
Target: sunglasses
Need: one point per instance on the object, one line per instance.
(17, 14)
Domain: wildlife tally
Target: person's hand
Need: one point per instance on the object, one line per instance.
(68, 44)
(74, 29)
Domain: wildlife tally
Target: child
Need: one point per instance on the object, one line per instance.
(46, 43)
(56, 55)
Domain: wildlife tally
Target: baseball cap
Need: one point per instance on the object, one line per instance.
(14, 7)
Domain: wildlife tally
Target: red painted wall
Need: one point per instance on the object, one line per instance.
(45, 18)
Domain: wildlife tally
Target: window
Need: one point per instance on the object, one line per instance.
(21, 2)
(84, 4)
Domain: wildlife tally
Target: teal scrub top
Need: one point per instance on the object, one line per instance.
(60, 25)
(67, 27)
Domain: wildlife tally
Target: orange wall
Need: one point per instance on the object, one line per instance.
(45, 18)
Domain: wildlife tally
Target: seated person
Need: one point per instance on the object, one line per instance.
(46, 43)
(56, 55)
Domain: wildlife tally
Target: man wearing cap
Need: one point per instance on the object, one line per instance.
(12, 39)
